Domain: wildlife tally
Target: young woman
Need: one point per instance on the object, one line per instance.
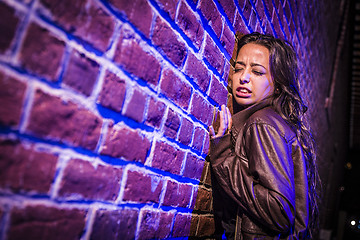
(262, 158)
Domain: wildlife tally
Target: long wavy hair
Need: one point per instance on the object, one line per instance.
(288, 102)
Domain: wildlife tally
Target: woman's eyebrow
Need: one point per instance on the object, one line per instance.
(251, 64)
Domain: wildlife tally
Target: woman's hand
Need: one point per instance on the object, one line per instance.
(225, 123)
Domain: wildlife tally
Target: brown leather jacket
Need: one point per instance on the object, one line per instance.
(260, 188)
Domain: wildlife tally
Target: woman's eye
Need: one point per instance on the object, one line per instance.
(258, 73)
(238, 70)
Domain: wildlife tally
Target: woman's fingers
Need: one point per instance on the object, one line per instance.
(225, 122)
(229, 117)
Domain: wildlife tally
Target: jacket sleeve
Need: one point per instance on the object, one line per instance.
(262, 180)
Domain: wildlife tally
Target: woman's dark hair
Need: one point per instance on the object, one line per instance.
(289, 104)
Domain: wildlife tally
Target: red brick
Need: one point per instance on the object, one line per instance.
(168, 6)
(201, 109)
(206, 146)
(186, 132)
(175, 88)
(25, 168)
(226, 71)
(9, 23)
(155, 113)
(182, 225)
(43, 222)
(114, 224)
(206, 174)
(228, 40)
(218, 92)
(213, 55)
(194, 224)
(198, 138)
(229, 8)
(12, 94)
(177, 194)
(155, 224)
(81, 180)
(81, 73)
(138, 12)
(120, 143)
(113, 91)
(206, 226)
(165, 38)
(195, 69)
(84, 19)
(188, 22)
(167, 158)
(172, 124)
(193, 167)
(212, 14)
(127, 55)
(38, 59)
(240, 25)
(203, 200)
(54, 118)
(142, 188)
(136, 106)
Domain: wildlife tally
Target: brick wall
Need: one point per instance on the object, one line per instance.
(104, 108)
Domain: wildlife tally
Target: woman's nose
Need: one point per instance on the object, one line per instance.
(245, 78)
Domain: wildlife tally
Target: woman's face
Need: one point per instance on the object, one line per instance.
(251, 80)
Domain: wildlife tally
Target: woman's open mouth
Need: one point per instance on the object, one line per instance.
(243, 92)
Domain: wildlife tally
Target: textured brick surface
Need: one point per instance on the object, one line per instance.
(165, 38)
(39, 60)
(81, 180)
(129, 52)
(136, 106)
(229, 8)
(182, 224)
(186, 132)
(114, 224)
(193, 167)
(167, 158)
(42, 222)
(155, 113)
(126, 143)
(175, 88)
(206, 226)
(12, 94)
(168, 6)
(155, 224)
(138, 12)
(142, 188)
(209, 9)
(203, 199)
(213, 54)
(218, 91)
(85, 19)
(188, 22)
(25, 168)
(113, 91)
(201, 109)
(177, 194)
(199, 136)
(197, 71)
(54, 118)
(9, 23)
(81, 73)
(172, 124)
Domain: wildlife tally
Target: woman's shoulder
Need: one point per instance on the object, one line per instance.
(267, 117)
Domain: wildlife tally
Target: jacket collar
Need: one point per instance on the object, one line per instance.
(239, 119)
